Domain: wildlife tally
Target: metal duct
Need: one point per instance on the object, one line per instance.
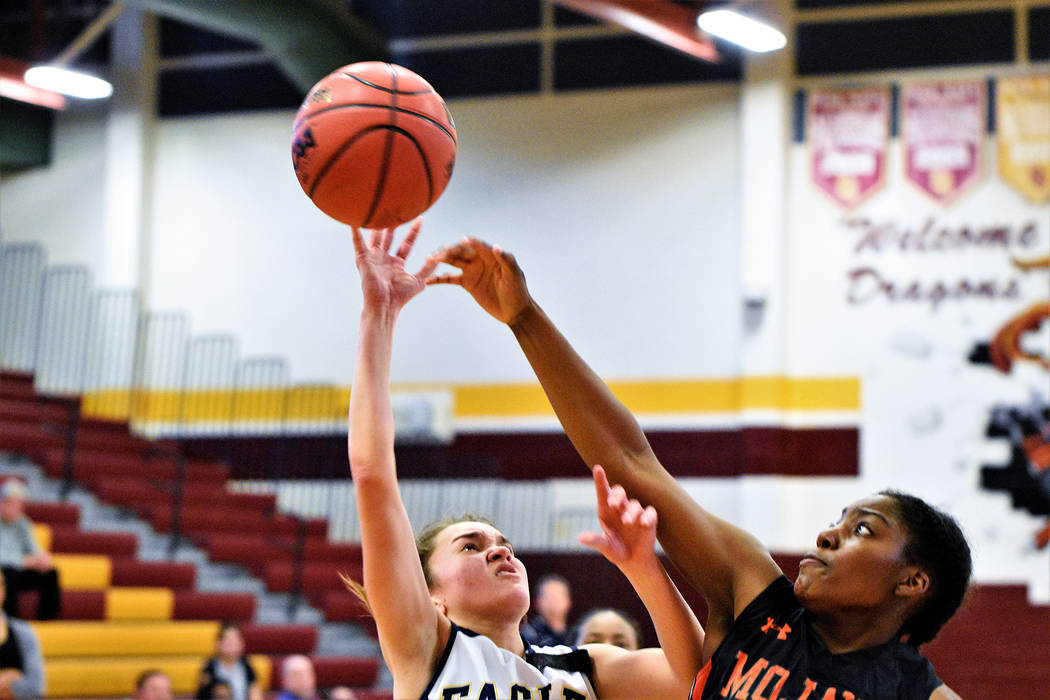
(307, 38)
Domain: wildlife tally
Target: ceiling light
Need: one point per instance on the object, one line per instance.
(742, 30)
(55, 76)
(68, 82)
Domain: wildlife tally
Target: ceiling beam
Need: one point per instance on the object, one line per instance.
(663, 21)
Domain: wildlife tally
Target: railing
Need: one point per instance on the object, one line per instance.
(115, 362)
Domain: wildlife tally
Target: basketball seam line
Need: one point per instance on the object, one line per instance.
(388, 149)
(364, 132)
(393, 91)
(400, 110)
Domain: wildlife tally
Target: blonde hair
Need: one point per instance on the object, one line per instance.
(425, 544)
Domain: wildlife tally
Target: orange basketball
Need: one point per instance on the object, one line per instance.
(373, 144)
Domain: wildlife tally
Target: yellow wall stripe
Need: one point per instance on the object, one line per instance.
(130, 603)
(321, 403)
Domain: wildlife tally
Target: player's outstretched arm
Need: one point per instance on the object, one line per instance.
(627, 539)
(726, 564)
(411, 632)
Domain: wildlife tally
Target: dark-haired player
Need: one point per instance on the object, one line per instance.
(880, 581)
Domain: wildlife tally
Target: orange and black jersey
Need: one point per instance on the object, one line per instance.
(772, 653)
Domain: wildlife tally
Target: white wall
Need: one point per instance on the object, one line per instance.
(620, 205)
(61, 206)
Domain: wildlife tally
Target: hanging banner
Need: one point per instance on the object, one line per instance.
(848, 137)
(1022, 119)
(942, 132)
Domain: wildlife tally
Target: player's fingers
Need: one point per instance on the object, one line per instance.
(459, 255)
(428, 268)
(595, 541)
(445, 279)
(601, 484)
(386, 238)
(648, 517)
(632, 511)
(485, 251)
(375, 237)
(358, 239)
(410, 238)
(617, 498)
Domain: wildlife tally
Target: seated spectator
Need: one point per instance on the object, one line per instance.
(25, 565)
(609, 626)
(549, 626)
(230, 666)
(341, 692)
(216, 690)
(298, 679)
(21, 664)
(153, 684)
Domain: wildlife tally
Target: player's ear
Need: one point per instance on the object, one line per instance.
(913, 582)
(439, 603)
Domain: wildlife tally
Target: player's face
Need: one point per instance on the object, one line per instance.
(858, 561)
(475, 572)
(608, 628)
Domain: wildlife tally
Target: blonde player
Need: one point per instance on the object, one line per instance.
(448, 612)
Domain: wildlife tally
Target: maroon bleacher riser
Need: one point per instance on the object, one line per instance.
(351, 671)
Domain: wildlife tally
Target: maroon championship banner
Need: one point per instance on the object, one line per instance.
(942, 136)
(848, 141)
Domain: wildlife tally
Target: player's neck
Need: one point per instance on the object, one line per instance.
(503, 634)
(846, 632)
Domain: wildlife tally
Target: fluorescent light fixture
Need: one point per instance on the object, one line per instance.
(740, 29)
(68, 82)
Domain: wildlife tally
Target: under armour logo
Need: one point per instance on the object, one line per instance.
(782, 630)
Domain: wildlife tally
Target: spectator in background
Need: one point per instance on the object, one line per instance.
(25, 565)
(216, 690)
(230, 666)
(549, 626)
(298, 679)
(21, 664)
(341, 692)
(153, 684)
(609, 626)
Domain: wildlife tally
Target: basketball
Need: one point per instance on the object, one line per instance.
(373, 144)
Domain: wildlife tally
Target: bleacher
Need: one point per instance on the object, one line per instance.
(120, 614)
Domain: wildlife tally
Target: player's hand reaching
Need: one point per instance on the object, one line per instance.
(490, 274)
(384, 280)
(628, 535)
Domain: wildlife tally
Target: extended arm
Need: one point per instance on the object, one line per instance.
(725, 563)
(410, 629)
(627, 540)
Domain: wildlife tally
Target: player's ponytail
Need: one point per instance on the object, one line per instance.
(937, 544)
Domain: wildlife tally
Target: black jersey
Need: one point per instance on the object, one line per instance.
(773, 653)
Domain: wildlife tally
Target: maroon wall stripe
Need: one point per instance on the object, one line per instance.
(695, 453)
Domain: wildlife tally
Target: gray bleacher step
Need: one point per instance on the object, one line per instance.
(273, 608)
(345, 639)
(226, 578)
(153, 546)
